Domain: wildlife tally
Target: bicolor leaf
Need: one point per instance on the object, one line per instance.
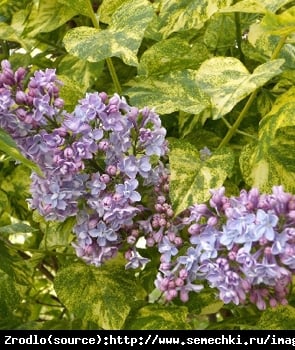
(47, 16)
(162, 317)
(102, 295)
(227, 81)
(181, 15)
(170, 55)
(191, 177)
(174, 91)
(256, 6)
(121, 39)
(269, 161)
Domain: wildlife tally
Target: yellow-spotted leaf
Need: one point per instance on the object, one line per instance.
(174, 91)
(192, 178)
(227, 81)
(155, 316)
(46, 16)
(270, 161)
(72, 67)
(181, 15)
(121, 39)
(218, 34)
(82, 7)
(281, 318)
(9, 296)
(102, 295)
(256, 6)
(71, 92)
(263, 45)
(107, 8)
(162, 58)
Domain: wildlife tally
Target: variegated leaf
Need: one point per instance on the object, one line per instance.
(46, 16)
(71, 92)
(218, 34)
(82, 7)
(256, 6)
(279, 318)
(102, 295)
(162, 58)
(180, 15)
(175, 91)
(107, 9)
(9, 295)
(155, 316)
(263, 45)
(83, 72)
(121, 39)
(270, 162)
(191, 177)
(227, 81)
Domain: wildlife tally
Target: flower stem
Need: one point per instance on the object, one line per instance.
(109, 61)
(251, 99)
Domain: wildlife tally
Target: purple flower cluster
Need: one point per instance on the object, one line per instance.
(242, 246)
(106, 164)
(94, 160)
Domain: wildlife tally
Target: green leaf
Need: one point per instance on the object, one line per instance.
(48, 16)
(263, 44)
(256, 6)
(162, 58)
(181, 15)
(80, 7)
(153, 316)
(192, 178)
(102, 295)
(269, 162)
(9, 7)
(8, 146)
(122, 38)
(4, 203)
(71, 92)
(281, 24)
(16, 228)
(14, 266)
(9, 296)
(83, 72)
(227, 81)
(13, 31)
(107, 9)
(8, 33)
(56, 234)
(279, 318)
(219, 34)
(175, 91)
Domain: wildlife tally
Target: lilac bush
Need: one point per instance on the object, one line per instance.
(106, 164)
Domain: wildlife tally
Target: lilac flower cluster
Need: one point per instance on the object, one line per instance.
(242, 246)
(106, 165)
(94, 160)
